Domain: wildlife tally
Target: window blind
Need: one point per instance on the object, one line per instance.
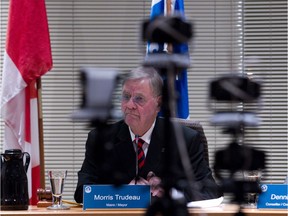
(265, 53)
(229, 36)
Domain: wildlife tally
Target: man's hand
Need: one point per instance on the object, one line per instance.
(139, 181)
(151, 180)
(155, 183)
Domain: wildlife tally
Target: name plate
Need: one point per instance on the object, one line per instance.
(273, 196)
(110, 196)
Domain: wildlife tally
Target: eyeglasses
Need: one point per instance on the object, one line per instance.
(138, 99)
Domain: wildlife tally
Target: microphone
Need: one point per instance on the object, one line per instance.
(136, 151)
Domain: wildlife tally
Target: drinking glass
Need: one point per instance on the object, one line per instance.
(57, 178)
(252, 198)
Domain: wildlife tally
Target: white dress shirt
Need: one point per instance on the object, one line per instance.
(146, 137)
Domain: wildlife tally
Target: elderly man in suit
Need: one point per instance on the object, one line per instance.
(113, 155)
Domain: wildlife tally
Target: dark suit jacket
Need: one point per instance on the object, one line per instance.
(110, 158)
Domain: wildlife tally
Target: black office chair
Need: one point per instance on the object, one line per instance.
(198, 127)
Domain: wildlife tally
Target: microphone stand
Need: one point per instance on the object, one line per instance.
(136, 151)
(167, 205)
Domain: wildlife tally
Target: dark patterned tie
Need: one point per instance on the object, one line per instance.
(141, 155)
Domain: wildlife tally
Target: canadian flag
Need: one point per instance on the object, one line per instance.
(27, 57)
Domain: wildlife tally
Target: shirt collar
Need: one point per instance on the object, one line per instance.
(147, 136)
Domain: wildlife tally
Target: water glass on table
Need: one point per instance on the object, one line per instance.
(252, 197)
(57, 179)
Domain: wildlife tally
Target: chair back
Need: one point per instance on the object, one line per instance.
(199, 128)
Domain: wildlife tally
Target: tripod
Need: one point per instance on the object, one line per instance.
(168, 66)
(237, 157)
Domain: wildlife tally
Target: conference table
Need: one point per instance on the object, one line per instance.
(222, 210)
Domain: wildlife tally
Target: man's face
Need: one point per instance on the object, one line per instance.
(139, 105)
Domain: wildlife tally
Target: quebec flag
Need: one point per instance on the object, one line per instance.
(158, 8)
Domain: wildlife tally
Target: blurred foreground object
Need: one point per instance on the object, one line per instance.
(235, 88)
(170, 31)
(97, 89)
(231, 95)
(167, 29)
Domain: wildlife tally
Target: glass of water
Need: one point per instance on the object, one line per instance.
(252, 198)
(57, 179)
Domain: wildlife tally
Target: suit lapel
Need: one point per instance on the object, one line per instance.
(125, 152)
(156, 150)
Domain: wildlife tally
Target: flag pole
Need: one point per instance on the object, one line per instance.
(168, 12)
(168, 6)
(41, 137)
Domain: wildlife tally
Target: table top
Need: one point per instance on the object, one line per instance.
(222, 210)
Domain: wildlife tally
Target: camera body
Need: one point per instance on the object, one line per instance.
(97, 91)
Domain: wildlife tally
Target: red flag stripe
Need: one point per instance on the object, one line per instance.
(36, 183)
